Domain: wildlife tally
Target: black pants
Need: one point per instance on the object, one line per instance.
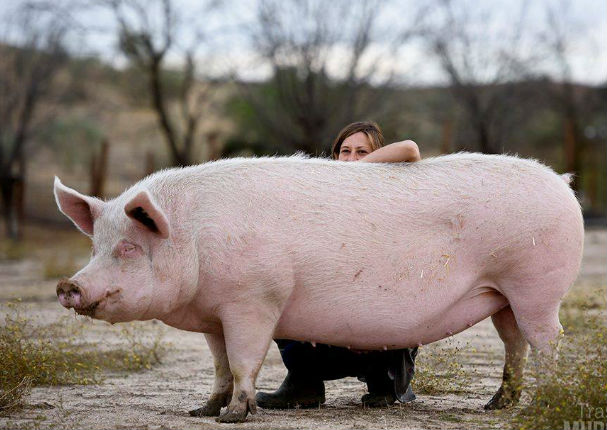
(379, 369)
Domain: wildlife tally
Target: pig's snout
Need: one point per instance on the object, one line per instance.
(69, 294)
(72, 295)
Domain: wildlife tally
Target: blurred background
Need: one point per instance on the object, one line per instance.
(103, 92)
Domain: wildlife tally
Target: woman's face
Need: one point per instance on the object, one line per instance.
(355, 147)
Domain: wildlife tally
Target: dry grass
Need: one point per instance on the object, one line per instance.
(11, 396)
(440, 370)
(33, 355)
(576, 385)
(581, 305)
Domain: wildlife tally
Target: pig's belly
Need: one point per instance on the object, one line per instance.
(385, 321)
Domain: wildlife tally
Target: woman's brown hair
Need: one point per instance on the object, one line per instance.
(370, 128)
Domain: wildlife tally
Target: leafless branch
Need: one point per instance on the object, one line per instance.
(319, 55)
(146, 42)
(480, 70)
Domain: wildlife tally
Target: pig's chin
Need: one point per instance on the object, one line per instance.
(93, 309)
(114, 313)
(89, 310)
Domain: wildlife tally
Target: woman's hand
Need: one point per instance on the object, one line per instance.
(396, 152)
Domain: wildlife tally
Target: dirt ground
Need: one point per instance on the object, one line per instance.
(161, 397)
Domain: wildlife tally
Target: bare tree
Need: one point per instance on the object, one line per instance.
(323, 68)
(31, 59)
(147, 33)
(481, 62)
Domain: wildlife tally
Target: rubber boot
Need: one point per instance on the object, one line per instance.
(294, 392)
(378, 400)
(381, 391)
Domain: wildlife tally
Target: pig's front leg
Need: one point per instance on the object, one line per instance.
(222, 386)
(247, 333)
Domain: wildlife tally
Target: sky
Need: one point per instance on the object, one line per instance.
(227, 49)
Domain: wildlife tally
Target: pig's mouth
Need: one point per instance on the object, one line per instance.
(88, 310)
(71, 295)
(93, 308)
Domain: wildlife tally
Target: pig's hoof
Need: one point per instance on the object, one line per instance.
(503, 399)
(232, 417)
(213, 406)
(238, 413)
(206, 411)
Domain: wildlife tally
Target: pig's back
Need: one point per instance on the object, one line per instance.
(374, 246)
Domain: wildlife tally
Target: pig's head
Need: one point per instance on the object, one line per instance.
(136, 271)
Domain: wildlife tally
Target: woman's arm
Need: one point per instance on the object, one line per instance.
(396, 152)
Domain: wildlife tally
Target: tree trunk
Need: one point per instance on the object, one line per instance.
(150, 163)
(573, 152)
(213, 144)
(98, 169)
(447, 132)
(159, 103)
(486, 146)
(7, 188)
(592, 185)
(19, 207)
(312, 142)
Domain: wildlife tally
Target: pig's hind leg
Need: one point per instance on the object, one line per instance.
(516, 348)
(537, 316)
(541, 327)
(536, 284)
(537, 313)
(223, 384)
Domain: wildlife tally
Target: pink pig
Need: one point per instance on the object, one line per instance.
(368, 256)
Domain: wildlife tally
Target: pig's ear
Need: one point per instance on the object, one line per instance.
(147, 214)
(81, 209)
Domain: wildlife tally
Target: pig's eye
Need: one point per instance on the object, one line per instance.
(127, 249)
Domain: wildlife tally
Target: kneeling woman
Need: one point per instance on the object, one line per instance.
(387, 373)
